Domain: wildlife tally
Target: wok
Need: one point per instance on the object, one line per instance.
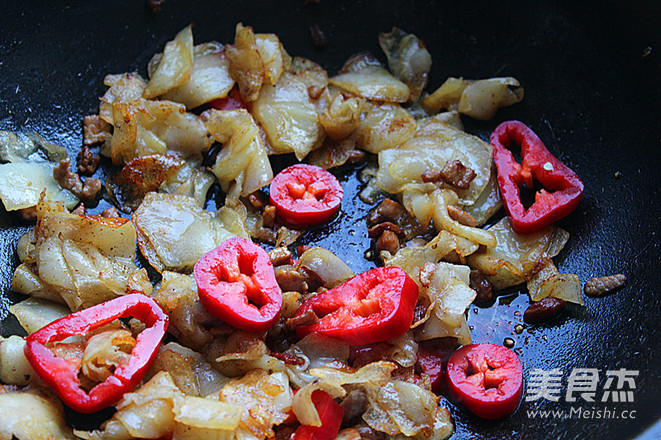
(592, 94)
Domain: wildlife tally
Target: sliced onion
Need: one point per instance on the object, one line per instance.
(191, 180)
(106, 351)
(478, 99)
(265, 398)
(144, 413)
(442, 221)
(413, 258)
(435, 143)
(35, 313)
(32, 415)
(246, 65)
(303, 407)
(550, 282)
(241, 353)
(329, 267)
(408, 59)
(514, 257)
(482, 99)
(447, 96)
(174, 67)
(289, 117)
(400, 408)
(342, 115)
(21, 186)
(365, 77)
(404, 350)
(14, 366)
(178, 297)
(210, 78)
(375, 373)
(488, 203)
(143, 127)
(242, 166)
(174, 232)
(197, 418)
(85, 259)
(384, 126)
(123, 88)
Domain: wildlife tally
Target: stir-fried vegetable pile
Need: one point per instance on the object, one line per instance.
(264, 345)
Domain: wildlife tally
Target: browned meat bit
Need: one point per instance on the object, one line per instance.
(598, 287)
(544, 310)
(376, 231)
(288, 358)
(154, 6)
(454, 258)
(284, 432)
(306, 318)
(481, 284)
(87, 162)
(28, 214)
(95, 130)
(354, 406)
(268, 217)
(66, 178)
(290, 279)
(431, 175)
(387, 211)
(312, 279)
(318, 37)
(356, 156)
(419, 312)
(457, 174)
(368, 433)
(91, 188)
(69, 180)
(110, 213)
(388, 241)
(453, 173)
(314, 92)
(266, 235)
(461, 216)
(302, 248)
(258, 200)
(280, 256)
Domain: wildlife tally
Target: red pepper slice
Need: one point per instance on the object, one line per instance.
(487, 379)
(62, 375)
(374, 306)
(236, 283)
(232, 101)
(305, 195)
(562, 187)
(330, 413)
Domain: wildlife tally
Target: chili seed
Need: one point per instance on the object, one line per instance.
(518, 329)
(508, 342)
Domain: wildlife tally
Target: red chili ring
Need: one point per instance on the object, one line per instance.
(237, 284)
(305, 195)
(487, 379)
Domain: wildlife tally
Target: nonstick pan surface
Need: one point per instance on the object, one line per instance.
(591, 74)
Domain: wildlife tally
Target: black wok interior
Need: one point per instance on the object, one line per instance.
(591, 72)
